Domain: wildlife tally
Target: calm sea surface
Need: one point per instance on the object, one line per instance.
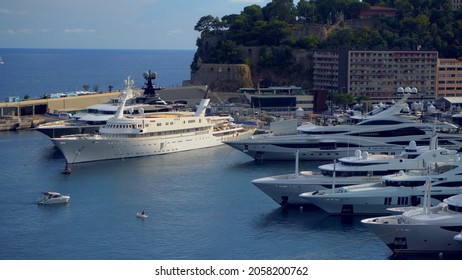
(201, 204)
(35, 72)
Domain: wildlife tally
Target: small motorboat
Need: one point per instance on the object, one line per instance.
(53, 198)
(142, 214)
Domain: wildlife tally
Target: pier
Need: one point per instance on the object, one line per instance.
(29, 113)
(34, 107)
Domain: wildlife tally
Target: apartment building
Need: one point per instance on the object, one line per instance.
(376, 74)
(449, 77)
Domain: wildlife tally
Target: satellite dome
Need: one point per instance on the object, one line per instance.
(400, 90)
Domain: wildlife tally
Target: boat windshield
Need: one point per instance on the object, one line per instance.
(402, 183)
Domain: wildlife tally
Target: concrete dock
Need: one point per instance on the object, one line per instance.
(29, 113)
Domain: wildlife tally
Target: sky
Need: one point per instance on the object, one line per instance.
(103, 24)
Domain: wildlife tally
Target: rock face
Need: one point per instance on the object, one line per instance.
(222, 77)
(262, 66)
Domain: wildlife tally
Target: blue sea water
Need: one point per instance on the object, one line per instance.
(35, 72)
(201, 204)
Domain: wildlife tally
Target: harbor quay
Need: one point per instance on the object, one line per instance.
(29, 113)
(25, 114)
(33, 107)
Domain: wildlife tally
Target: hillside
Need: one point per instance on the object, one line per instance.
(277, 41)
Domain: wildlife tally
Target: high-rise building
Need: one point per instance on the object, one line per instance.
(449, 77)
(376, 74)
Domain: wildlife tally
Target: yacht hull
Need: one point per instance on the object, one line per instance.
(415, 238)
(376, 200)
(80, 149)
(330, 147)
(286, 151)
(286, 189)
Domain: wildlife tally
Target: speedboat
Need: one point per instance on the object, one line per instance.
(128, 136)
(428, 229)
(53, 198)
(359, 169)
(403, 189)
(388, 132)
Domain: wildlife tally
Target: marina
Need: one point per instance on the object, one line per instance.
(198, 204)
(359, 169)
(387, 132)
(126, 136)
(403, 189)
(201, 205)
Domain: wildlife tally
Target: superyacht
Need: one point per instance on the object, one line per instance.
(388, 132)
(429, 230)
(97, 115)
(397, 191)
(126, 136)
(361, 168)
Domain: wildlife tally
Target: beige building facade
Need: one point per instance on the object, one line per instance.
(449, 77)
(376, 74)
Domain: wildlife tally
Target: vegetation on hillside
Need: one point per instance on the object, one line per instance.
(281, 28)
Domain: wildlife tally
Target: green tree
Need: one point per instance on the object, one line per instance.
(274, 32)
(207, 24)
(305, 10)
(341, 99)
(282, 10)
(309, 42)
(244, 28)
(227, 52)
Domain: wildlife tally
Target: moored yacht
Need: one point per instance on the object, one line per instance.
(358, 169)
(403, 189)
(427, 229)
(385, 133)
(95, 116)
(125, 136)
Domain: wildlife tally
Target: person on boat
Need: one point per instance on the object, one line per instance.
(143, 212)
(67, 169)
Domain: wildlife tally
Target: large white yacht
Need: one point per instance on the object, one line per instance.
(97, 115)
(423, 230)
(361, 168)
(385, 133)
(404, 189)
(125, 136)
